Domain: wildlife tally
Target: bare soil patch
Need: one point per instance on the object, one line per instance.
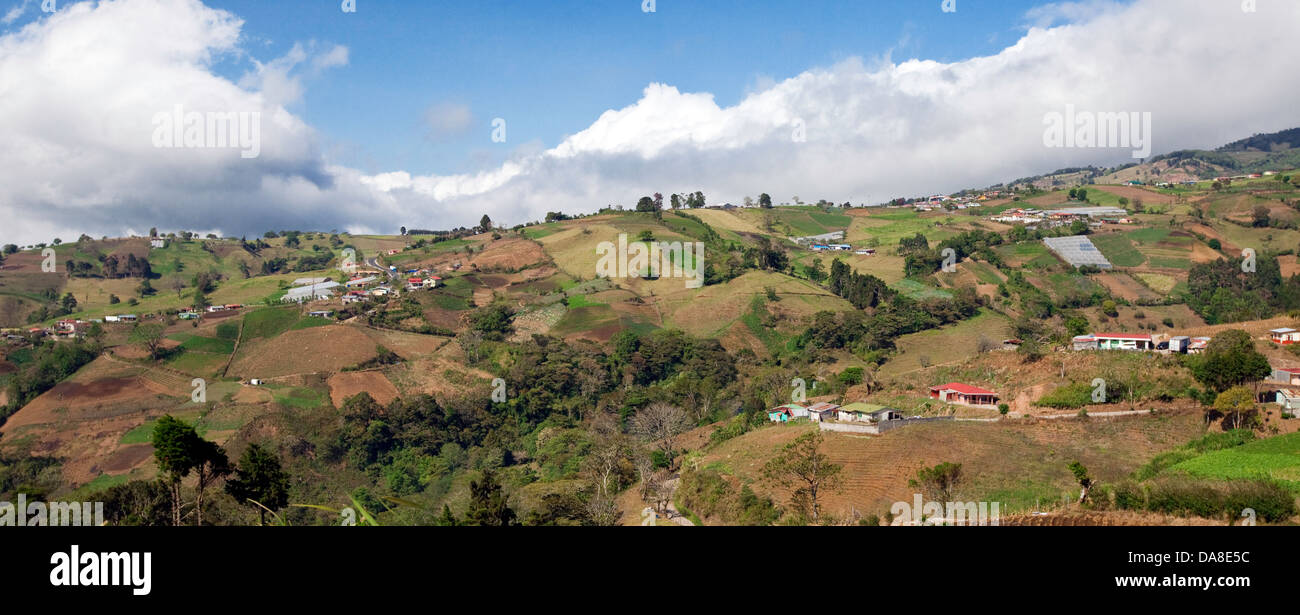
(346, 384)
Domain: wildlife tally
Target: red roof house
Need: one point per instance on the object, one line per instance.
(965, 394)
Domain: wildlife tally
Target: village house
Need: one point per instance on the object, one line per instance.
(1197, 345)
(1286, 375)
(963, 394)
(321, 314)
(1289, 400)
(822, 411)
(157, 243)
(785, 413)
(1284, 336)
(860, 412)
(1124, 341)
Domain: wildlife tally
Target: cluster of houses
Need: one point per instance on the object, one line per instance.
(955, 393)
(1053, 218)
(824, 243)
(1178, 344)
(825, 411)
(939, 201)
(369, 284)
(192, 314)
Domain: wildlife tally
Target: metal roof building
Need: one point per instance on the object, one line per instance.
(1078, 251)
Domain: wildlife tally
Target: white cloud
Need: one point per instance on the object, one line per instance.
(77, 155)
(15, 12)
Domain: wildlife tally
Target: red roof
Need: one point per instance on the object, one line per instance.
(1123, 336)
(964, 389)
(415, 280)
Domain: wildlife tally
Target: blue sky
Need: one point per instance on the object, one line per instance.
(551, 67)
(383, 118)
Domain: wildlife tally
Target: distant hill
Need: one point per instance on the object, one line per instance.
(1255, 154)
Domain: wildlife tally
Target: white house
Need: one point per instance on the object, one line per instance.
(1284, 336)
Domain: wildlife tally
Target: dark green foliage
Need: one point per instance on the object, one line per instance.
(1221, 292)
(1230, 359)
(488, 506)
(49, 365)
(862, 290)
(260, 478)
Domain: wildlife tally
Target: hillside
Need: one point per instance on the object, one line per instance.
(512, 351)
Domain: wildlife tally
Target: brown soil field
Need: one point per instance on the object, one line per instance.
(1209, 233)
(304, 351)
(407, 345)
(346, 384)
(508, 254)
(1123, 286)
(442, 377)
(994, 456)
(1148, 197)
(126, 458)
(1290, 265)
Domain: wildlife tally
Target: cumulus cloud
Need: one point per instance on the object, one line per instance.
(78, 158)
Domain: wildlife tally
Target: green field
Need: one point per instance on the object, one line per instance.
(270, 322)
(1119, 250)
(1277, 458)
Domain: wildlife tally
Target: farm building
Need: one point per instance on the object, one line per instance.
(1078, 251)
(1284, 336)
(820, 239)
(821, 411)
(786, 413)
(362, 282)
(1124, 341)
(157, 243)
(1197, 345)
(1085, 342)
(311, 293)
(1288, 399)
(863, 413)
(964, 394)
(322, 314)
(1287, 375)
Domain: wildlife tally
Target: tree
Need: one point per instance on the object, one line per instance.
(178, 285)
(1235, 401)
(150, 336)
(172, 450)
(403, 230)
(200, 300)
(259, 479)
(939, 482)
(1259, 217)
(485, 223)
(488, 504)
(803, 467)
(765, 201)
(210, 465)
(1081, 475)
(660, 423)
(1230, 359)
